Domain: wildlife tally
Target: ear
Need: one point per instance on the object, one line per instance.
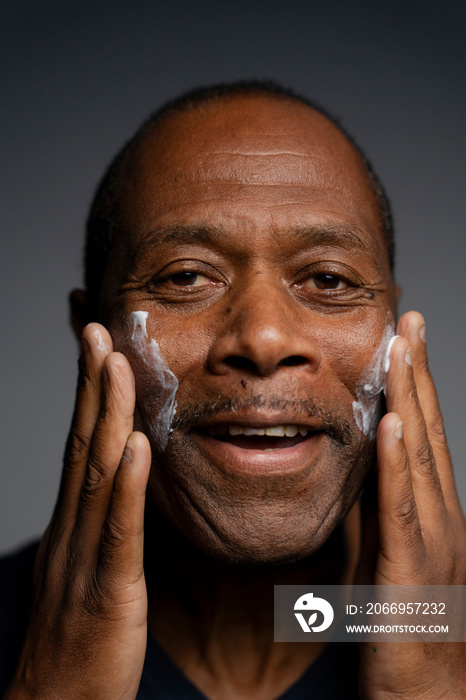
(80, 314)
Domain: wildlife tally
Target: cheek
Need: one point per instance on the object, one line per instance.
(165, 372)
(361, 369)
(349, 344)
(156, 384)
(352, 370)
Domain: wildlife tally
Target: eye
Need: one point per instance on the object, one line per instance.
(181, 280)
(327, 282)
(188, 279)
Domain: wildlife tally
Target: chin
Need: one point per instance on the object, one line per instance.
(274, 542)
(264, 552)
(261, 534)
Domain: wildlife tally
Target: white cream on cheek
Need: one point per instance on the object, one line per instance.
(386, 364)
(366, 408)
(162, 410)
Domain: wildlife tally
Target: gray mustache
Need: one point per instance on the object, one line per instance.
(334, 424)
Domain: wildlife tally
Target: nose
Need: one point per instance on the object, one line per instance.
(262, 333)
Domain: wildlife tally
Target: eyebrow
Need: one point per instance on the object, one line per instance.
(155, 238)
(314, 235)
(334, 235)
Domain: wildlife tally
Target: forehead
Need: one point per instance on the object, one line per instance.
(245, 160)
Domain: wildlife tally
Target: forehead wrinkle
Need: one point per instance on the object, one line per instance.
(205, 180)
(271, 167)
(264, 185)
(266, 154)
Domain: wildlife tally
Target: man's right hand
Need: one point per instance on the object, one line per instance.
(88, 628)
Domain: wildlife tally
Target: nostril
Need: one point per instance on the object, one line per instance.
(292, 361)
(238, 362)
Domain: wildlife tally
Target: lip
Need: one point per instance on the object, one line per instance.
(262, 419)
(238, 460)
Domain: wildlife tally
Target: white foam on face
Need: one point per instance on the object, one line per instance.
(164, 405)
(367, 407)
(386, 363)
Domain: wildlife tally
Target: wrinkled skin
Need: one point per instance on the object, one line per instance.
(258, 220)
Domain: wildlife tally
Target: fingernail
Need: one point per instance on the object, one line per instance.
(409, 357)
(399, 430)
(422, 332)
(127, 452)
(98, 337)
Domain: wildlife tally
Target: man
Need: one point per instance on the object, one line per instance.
(239, 266)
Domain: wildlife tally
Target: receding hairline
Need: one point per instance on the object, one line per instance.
(171, 124)
(196, 102)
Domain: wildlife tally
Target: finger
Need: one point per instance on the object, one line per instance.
(402, 398)
(400, 535)
(95, 346)
(113, 426)
(122, 546)
(412, 327)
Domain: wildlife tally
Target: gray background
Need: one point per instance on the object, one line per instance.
(77, 79)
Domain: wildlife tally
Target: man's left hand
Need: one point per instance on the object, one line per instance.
(421, 526)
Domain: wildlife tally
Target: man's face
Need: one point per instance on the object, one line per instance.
(250, 236)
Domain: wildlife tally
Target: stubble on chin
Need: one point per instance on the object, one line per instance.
(243, 519)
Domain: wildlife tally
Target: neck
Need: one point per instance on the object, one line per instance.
(216, 620)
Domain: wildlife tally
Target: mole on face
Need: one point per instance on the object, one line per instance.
(244, 383)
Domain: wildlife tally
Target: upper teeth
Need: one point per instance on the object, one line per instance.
(272, 431)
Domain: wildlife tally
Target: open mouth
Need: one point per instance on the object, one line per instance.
(259, 447)
(266, 438)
